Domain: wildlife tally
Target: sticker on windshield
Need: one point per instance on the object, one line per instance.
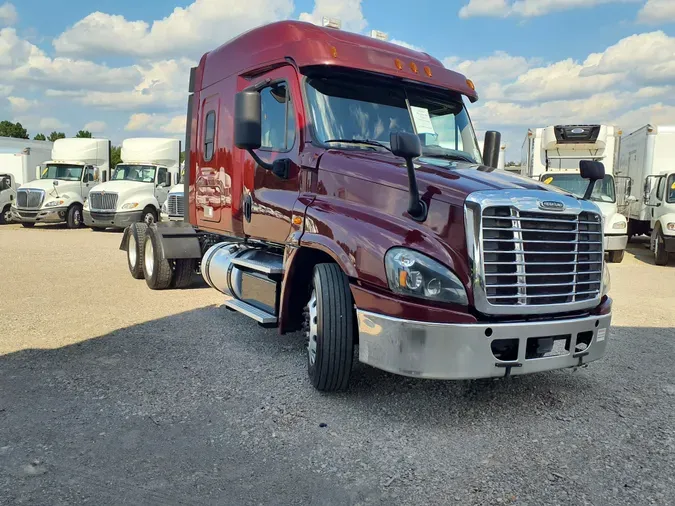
(548, 180)
(672, 186)
(422, 120)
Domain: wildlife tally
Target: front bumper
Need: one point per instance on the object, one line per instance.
(464, 351)
(616, 242)
(49, 215)
(168, 217)
(116, 220)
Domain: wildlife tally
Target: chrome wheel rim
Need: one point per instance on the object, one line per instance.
(7, 215)
(312, 333)
(149, 257)
(77, 218)
(656, 247)
(131, 251)
(149, 218)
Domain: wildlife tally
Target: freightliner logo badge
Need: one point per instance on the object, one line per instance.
(551, 205)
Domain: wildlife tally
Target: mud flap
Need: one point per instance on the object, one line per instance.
(125, 238)
(177, 240)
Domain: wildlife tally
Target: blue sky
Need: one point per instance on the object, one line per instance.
(535, 62)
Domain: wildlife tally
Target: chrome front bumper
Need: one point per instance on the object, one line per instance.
(102, 219)
(616, 242)
(464, 351)
(168, 217)
(48, 215)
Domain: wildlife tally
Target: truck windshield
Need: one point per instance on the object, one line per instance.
(575, 184)
(62, 171)
(366, 110)
(670, 195)
(139, 173)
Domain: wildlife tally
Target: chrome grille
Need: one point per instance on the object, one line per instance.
(103, 201)
(175, 204)
(29, 199)
(533, 258)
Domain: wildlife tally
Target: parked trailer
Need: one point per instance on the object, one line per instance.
(647, 167)
(19, 159)
(138, 187)
(317, 207)
(552, 155)
(63, 183)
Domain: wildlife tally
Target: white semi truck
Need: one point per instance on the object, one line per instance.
(173, 208)
(647, 192)
(63, 183)
(139, 185)
(552, 155)
(19, 159)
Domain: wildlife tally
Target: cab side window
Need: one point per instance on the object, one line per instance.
(161, 177)
(278, 119)
(90, 175)
(660, 188)
(209, 135)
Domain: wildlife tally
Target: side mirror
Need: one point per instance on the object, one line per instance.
(5, 184)
(247, 120)
(491, 147)
(104, 176)
(409, 146)
(593, 171)
(168, 179)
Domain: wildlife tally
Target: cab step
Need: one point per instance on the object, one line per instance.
(261, 261)
(251, 311)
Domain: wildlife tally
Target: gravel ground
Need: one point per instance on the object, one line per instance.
(113, 394)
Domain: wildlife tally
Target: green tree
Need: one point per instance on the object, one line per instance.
(40, 137)
(16, 130)
(56, 135)
(182, 156)
(115, 156)
(83, 134)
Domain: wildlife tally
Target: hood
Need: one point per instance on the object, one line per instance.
(177, 189)
(124, 187)
(48, 186)
(449, 181)
(608, 209)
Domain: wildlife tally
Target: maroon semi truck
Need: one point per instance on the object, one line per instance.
(334, 184)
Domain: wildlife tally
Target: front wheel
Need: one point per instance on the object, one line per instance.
(157, 269)
(616, 257)
(6, 215)
(660, 253)
(149, 216)
(329, 324)
(74, 217)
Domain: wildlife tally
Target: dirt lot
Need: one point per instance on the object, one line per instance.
(113, 394)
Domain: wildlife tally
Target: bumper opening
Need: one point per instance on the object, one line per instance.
(505, 349)
(550, 346)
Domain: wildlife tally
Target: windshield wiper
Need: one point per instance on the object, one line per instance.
(367, 142)
(447, 156)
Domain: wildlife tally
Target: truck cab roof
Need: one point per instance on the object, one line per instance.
(308, 45)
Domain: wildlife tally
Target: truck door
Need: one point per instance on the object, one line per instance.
(268, 199)
(654, 192)
(161, 189)
(89, 180)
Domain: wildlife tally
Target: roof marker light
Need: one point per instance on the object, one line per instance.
(427, 71)
(376, 34)
(331, 23)
(470, 84)
(398, 63)
(333, 51)
(413, 67)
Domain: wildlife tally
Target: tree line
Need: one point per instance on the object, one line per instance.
(17, 131)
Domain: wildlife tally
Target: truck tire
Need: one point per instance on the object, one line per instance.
(660, 253)
(74, 217)
(135, 249)
(5, 215)
(329, 322)
(183, 270)
(28, 224)
(616, 257)
(149, 215)
(157, 269)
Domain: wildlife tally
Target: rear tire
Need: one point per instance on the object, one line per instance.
(660, 253)
(5, 215)
(330, 329)
(135, 249)
(183, 270)
(616, 257)
(28, 224)
(74, 217)
(157, 269)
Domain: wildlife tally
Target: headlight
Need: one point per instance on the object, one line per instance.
(416, 275)
(606, 283)
(670, 226)
(619, 225)
(130, 205)
(85, 204)
(55, 203)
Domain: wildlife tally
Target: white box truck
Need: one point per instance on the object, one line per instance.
(552, 155)
(139, 185)
(173, 208)
(19, 159)
(63, 183)
(647, 193)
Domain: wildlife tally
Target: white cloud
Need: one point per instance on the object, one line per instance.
(51, 124)
(96, 127)
(347, 11)
(191, 30)
(8, 14)
(157, 123)
(406, 45)
(526, 8)
(657, 11)
(20, 104)
(498, 67)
